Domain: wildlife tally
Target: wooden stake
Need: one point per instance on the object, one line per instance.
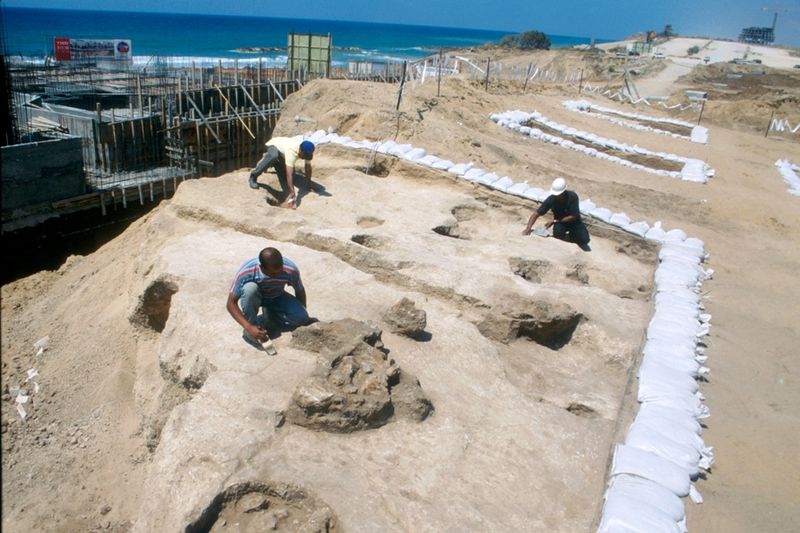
(769, 124)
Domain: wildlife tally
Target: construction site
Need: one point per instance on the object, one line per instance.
(461, 372)
(88, 143)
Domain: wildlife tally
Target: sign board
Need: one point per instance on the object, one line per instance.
(309, 53)
(67, 49)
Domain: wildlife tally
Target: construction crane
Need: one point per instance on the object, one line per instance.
(775, 10)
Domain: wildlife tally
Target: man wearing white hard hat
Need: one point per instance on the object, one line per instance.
(567, 224)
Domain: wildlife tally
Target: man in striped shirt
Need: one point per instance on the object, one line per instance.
(260, 283)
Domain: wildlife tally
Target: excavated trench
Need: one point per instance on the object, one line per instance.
(656, 163)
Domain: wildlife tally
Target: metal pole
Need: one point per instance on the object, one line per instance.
(486, 80)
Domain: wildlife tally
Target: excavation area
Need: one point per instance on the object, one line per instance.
(459, 375)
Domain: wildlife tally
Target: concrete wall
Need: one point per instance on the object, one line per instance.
(40, 172)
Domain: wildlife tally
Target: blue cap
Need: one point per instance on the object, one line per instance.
(307, 149)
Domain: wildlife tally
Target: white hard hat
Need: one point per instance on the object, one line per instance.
(559, 185)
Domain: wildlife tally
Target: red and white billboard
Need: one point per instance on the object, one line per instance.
(76, 49)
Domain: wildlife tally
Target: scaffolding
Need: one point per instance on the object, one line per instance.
(143, 130)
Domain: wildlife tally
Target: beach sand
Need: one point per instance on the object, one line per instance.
(151, 405)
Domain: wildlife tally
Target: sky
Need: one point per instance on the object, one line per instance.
(605, 19)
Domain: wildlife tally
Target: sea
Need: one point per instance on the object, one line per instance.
(185, 39)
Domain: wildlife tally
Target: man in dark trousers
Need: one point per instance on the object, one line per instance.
(281, 154)
(567, 223)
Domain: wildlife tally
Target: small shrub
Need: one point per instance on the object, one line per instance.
(693, 50)
(527, 40)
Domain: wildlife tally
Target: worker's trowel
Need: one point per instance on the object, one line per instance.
(269, 347)
(541, 232)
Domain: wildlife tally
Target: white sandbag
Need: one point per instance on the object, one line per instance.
(459, 169)
(642, 437)
(673, 430)
(400, 150)
(443, 164)
(648, 465)
(619, 516)
(620, 219)
(428, 160)
(385, 146)
(502, 184)
(667, 397)
(518, 189)
(656, 234)
(675, 235)
(674, 416)
(487, 178)
(637, 489)
(601, 213)
(637, 228)
(535, 193)
(414, 154)
(653, 370)
(473, 174)
(686, 364)
(587, 206)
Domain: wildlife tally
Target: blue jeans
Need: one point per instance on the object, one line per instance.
(272, 158)
(285, 310)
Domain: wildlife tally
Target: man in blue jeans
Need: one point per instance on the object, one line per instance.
(260, 283)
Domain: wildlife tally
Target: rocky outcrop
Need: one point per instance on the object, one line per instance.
(358, 387)
(549, 324)
(404, 318)
(255, 506)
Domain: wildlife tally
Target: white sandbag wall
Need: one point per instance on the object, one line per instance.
(699, 134)
(663, 449)
(790, 172)
(693, 169)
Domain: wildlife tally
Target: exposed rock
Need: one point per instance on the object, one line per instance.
(255, 506)
(551, 325)
(358, 388)
(530, 269)
(405, 319)
(337, 336)
(408, 399)
(578, 272)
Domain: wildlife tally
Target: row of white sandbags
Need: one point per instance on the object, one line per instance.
(504, 184)
(698, 134)
(693, 169)
(789, 172)
(663, 450)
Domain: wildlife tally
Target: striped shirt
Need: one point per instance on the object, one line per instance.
(269, 287)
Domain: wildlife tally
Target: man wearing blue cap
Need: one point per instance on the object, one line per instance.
(281, 154)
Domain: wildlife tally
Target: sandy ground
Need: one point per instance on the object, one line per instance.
(150, 405)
